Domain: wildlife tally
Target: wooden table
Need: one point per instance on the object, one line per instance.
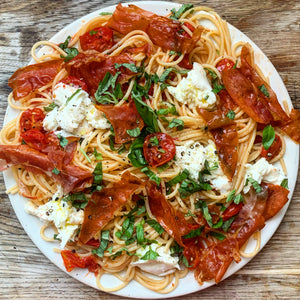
(25, 273)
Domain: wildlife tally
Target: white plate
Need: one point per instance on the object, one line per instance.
(188, 284)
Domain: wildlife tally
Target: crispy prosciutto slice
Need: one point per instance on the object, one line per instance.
(226, 140)
(123, 118)
(25, 81)
(163, 32)
(72, 178)
(271, 102)
(292, 127)
(215, 119)
(91, 68)
(103, 205)
(172, 221)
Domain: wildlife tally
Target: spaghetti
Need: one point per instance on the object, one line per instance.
(131, 237)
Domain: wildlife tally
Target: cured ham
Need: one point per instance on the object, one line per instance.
(25, 81)
(91, 68)
(103, 205)
(71, 177)
(292, 127)
(163, 32)
(123, 118)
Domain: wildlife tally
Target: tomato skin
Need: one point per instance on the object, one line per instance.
(32, 119)
(232, 210)
(273, 150)
(185, 63)
(75, 82)
(157, 155)
(73, 260)
(99, 39)
(92, 242)
(225, 64)
(34, 138)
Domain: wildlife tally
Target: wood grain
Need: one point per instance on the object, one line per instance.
(25, 273)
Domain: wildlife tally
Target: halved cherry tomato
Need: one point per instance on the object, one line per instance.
(34, 138)
(273, 150)
(159, 148)
(99, 39)
(93, 242)
(232, 210)
(189, 26)
(73, 260)
(76, 82)
(224, 64)
(32, 119)
(185, 63)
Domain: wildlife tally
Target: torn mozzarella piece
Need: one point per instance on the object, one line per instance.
(194, 90)
(263, 171)
(163, 265)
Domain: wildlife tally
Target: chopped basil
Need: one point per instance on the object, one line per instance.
(23, 142)
(172, 52)
(97, 155)
(98, 173)
(180, 177)
(217, 235)
(254, 183)
(230, 115)
(136, 154)
(150, 255)
(50, 107)
(140, 232)
(162, 167)
(154, 141)
(118, 253)
(79, 200)
(207, 216)
(177, 123)
(185, 261)
(65, 44)
(71, 52)
(55, 171)
(62, 140)
(264, 90)
(268, 136)
(134, 132)
(92, 32)
(170, 110)
(85, 155)
(235, 65)
(56, 238)
(141, 210)
(238, 199)
(104, 13)
(155, 225)
(145, 111)
(103, 244)
(127, 229)
(151, 175)
(102, 94)
(132, 67)
(111, 143)
(72, 96)
(164, 85)
(211, 73)
(231, 195)
(110, 249)
(227, 224)
(177, 13)
(235, 198)
(284, 183)
(190, 214)
(189, 186)
(193, 233)
(216, 86)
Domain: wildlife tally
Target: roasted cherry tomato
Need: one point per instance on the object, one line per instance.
(159, 148)
(73, 260)
(32, 119)
(73, 81)
(99, 39)
(185, 63)
(273, 150)
(94, 243)
(232, 210)
(224, 64)
(34, 138)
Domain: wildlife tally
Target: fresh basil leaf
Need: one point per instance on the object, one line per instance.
(118, 91)
(254, 183)
(172, 52)
(284, 183)
(150, 255)
(140, 232)
(164, 85)
(189, 186)
(193, 233)
(264, 90)
(65, 44)
(97, 154)
(118, 253)
(231, 195)
(62, 141)
(268, 136)
(104, 13)
(211, 73)
(238, 199)
(165, 111)
(71, 53)
(72, 96)
(207, 216)
(136, 153)
(92, 32)
(217, 235)
(154, 141)
(235, 65)
(141, 210)
(156, 226)
(216, 86)
(103, 244)
(134, 132)
(127, 229)
(55, 171)
(98, 173)
(230, 115)
(177, 13)
(151, 175)
(79, 200)
(226, 224)
(50, 107)
(180, 177)
(179, 124)
(162, 167)
(185, 261)
(56, 238)
(131, 67)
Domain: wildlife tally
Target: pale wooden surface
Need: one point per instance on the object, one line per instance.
(25, 273)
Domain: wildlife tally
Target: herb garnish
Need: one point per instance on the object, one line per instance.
(268, 136)
(103, 244)
(71, 52)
